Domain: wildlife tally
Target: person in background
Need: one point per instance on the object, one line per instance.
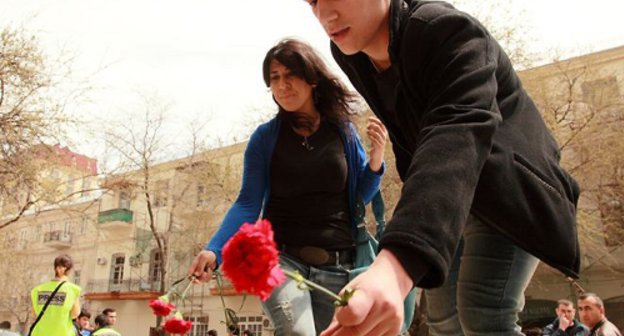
(103, 328)
(212, 332)
(82, 324)
(64, 306)
(5, 329)
(592, 314)
(305, 171)
(483, 196)
(111, 314)
(565, 323)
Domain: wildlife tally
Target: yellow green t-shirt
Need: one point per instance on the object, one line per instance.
(106, 332)
(56, 321)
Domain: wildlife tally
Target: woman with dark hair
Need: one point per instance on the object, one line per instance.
(305, 171)
(63, 307)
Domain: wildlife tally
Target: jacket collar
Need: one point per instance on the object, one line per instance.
(399, 13)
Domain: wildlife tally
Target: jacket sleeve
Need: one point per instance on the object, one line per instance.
(248, 204)
(368, 181)
(447, 61)
(550, 330)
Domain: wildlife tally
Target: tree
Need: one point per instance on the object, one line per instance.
(31, 115)
(179, 196)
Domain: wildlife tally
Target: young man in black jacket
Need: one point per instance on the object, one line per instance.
(484, 196)
(565, 324)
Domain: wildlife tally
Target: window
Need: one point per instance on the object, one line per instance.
(67, 228)
(37, 233)
(77, 274)
(23, 237)
(69, 185)
(251, 323)
(117, 268)
(155, 265)
(86, 185)
(602, 92)
(83, 224)
(124, 200)
(161, 191)
(200, 325)
(202, 195)
(612, 215)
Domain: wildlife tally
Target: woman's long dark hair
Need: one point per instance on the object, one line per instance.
(331, 97)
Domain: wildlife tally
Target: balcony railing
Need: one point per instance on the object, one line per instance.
(123, 290)
(57, 239)
(115, 218)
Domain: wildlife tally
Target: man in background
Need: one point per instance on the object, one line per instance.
(111, 315)
(565, 324)
(592, 313)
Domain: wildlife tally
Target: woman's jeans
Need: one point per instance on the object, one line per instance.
(484, 291)
(296, 312)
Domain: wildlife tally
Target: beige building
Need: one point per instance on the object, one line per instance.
(109, 235)
(582, 99)
(60, 221)
(188, 198)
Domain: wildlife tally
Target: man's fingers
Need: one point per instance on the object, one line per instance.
(356, 311)
(332, 329)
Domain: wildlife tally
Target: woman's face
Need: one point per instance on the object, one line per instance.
(292, 93)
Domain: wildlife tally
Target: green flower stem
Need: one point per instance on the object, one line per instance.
(300, 280)
(186, 289)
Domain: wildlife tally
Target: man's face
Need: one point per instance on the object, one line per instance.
(112, 318)
(566, 311)
(589, 312)
(354, 25)
(83, 322)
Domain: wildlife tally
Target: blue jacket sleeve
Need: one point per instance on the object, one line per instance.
(248, 204)
(368, 181)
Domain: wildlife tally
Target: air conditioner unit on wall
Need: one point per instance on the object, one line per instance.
(101, 261)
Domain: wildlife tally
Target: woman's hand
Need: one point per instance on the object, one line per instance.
(376, 307)
(377, 135)
(204, 264)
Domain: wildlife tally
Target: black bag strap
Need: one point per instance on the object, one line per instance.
(45, 306)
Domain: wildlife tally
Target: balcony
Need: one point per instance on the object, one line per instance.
(115, 219)
(130, 289)
(57, 239)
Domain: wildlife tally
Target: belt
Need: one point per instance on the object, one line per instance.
(318, 256)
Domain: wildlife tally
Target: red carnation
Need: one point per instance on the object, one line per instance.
(250, 260)
(176, 325)
(161, 308)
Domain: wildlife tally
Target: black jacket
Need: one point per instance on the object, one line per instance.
(470, 141)
(576, 329)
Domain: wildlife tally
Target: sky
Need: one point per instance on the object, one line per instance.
(204, 56)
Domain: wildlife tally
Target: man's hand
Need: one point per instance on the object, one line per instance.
(376, 307)
(204, 264)
(564, 323)
(377, 134)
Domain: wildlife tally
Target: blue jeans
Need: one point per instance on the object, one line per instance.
(296, 312)
(484, 291)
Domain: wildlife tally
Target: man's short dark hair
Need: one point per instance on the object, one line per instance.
(5, 325)
(597, 298)
(84, 313)
(101, 320)
(564, 302)
(108, 310)
(212, 332)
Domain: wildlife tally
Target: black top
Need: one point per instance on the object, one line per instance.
(309, 204)
(468, 140)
